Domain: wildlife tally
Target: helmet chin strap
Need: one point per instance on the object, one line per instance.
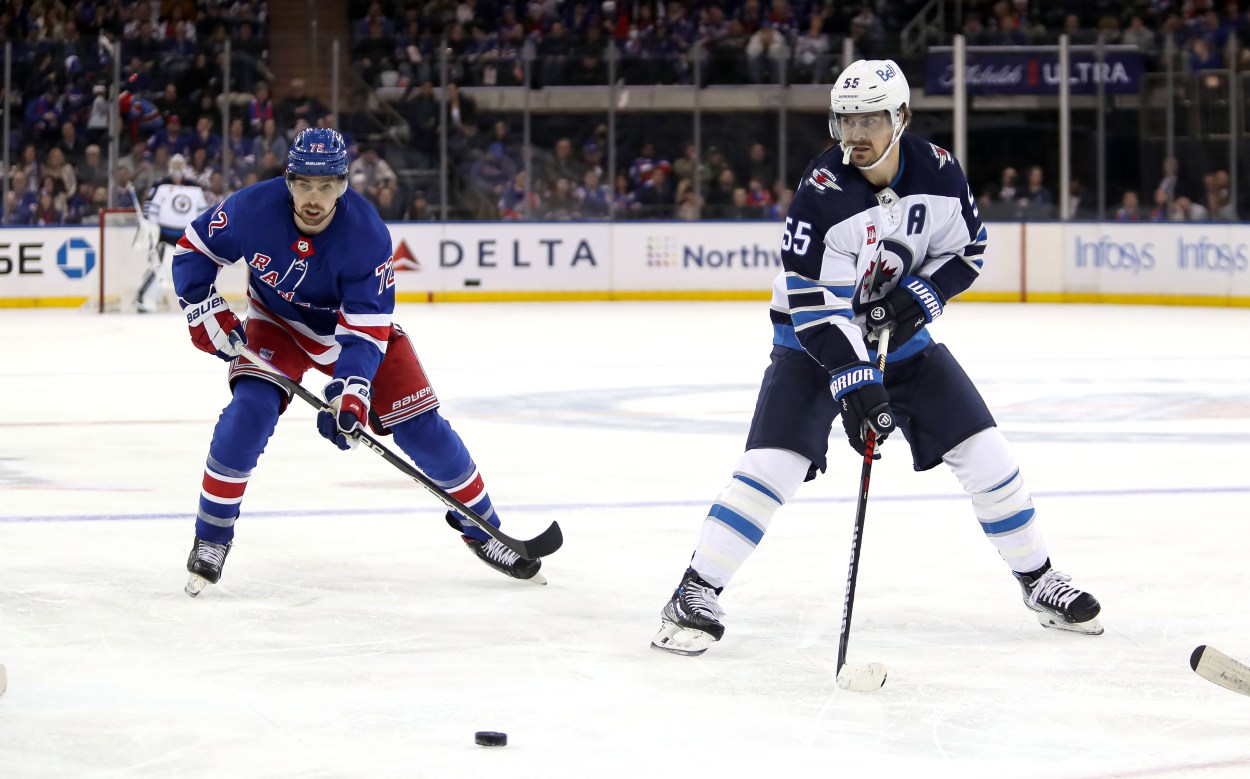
(846, 153)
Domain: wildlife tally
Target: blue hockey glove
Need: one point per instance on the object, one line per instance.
(907, 308)
(349, 408)
(865, 404)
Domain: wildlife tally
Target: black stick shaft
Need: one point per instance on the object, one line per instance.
(543, 544)
(861, 512)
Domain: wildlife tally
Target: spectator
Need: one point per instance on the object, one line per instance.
(513, 204)
(624, 204)
(43, 115)
(26, 199)
(1079, 205)
(1008, 187)
(29, 165)
(741, 207)
(562, 164)
(269, 141)
(92, 171)
(388, 206)
(46, 212)
(299, 105)
(72, 143)
(98, 117)
(493, 172)
(812, 60)
(170, 104)
(720, 198)
(419, 210)
(1160, 210)
(377, 172)
(1129, 210)
(1219, 207)
(172, 137)
(656, 195)
(204, 138)
(1185, 210)
(422, 112)
(81, 207)
(461, 109)
(1170, 183)
(62, 172)
(766, 53)
(561, 204)
(686, 168)
(1036, 200)
(759, 167)
(260, 108)
(594, 197)
(689, 203)
(1139, 35)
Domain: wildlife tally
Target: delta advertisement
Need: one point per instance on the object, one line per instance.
(1205, 264)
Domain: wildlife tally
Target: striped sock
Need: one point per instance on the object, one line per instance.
(221, 494)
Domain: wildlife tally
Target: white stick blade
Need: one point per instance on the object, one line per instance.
(4, 680)
(1215, 666)
(862, 678)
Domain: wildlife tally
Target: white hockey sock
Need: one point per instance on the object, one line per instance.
(763, 480)
(988, 471)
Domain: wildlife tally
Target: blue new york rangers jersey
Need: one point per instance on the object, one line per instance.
(334, 292)
(847, 243)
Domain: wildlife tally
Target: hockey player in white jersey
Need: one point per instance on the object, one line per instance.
(883, 231)
(169, 207)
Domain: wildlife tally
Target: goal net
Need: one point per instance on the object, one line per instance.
(123, 264)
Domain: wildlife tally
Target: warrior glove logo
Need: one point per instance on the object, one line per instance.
(884, 420)
(877, 314)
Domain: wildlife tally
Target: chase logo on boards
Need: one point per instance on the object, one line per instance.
(75, 258)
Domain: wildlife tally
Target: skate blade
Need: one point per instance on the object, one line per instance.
(677, 640)
(1091, 627)
(537, 578)
(195, 584)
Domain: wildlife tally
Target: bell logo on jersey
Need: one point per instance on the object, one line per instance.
(822, 180)
(943, 156)
(872, 235)
(218, 223)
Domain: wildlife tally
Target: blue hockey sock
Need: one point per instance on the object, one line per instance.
(242, 431)
(440, 454)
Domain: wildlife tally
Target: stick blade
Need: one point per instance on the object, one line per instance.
(862, 678)
(541, 545)
(1216, 667)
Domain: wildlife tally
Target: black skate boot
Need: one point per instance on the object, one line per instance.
(1058, 604)
(204, 565)
(500, 557)
(690, 621)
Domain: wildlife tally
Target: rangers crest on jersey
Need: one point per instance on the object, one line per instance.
(943, 156)
(822, 179)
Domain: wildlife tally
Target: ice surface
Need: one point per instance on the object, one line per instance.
(351, 636)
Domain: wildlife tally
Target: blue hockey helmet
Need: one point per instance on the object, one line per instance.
(317, 151)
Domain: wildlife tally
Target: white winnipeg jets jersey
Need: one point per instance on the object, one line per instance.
(847, 243)
(173, 206)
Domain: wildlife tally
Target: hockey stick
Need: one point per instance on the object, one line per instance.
(861, 678)
(1215, 666)
(545, 543)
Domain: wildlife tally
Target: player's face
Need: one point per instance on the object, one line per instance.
(315, 197)
(866, 135)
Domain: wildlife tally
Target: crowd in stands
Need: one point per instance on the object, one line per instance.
(173, 60)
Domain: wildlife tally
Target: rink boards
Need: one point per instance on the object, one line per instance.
(1079, 262)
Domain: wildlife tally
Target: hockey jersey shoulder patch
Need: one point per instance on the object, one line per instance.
(823, 180)
(942, 155)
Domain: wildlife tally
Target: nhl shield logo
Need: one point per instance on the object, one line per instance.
(823, 180)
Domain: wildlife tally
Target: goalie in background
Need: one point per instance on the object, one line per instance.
(169, 207)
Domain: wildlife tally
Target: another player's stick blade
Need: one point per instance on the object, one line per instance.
(4, 680)
(195, 584)
(1215, 666)
(862, 678)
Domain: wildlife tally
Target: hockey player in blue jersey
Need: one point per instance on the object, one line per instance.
(321, 292)
(883, 231)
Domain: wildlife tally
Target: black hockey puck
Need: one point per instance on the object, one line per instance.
(490, 738)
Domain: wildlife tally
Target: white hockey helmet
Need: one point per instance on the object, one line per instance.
(867, 86)
(178, 167)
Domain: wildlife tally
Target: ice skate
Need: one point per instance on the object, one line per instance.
(1058, 604)
(204, 565)
(500, 557)
(691, 618)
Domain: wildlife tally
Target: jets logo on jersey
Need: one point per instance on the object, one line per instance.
(822, 180)
(218, 223)
(943, 156)
(181, 204)
(878, 274)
